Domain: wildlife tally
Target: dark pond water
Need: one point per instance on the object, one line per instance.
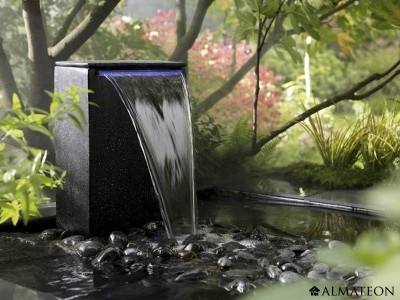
(44, 266)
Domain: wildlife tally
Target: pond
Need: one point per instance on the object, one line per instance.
(246, 232)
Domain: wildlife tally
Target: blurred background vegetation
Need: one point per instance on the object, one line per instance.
(312, 53)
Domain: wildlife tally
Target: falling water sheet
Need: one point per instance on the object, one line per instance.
(158, 103)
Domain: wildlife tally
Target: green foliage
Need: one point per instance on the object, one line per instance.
(24, 170)
(339, 149)
(380, 144)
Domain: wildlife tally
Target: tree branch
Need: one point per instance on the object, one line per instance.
(68, 21)
(75, 39)
(189, 38)
(350, 94)
(228, 86)
(180, 16)
(7, 80)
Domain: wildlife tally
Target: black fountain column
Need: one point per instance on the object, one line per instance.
(108, 185)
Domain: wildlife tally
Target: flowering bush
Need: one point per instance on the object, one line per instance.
(211, 62)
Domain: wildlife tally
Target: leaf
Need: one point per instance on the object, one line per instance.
(75, 121)
(9, 211)
(346, 43)
(247, 18)
(16, 102)
(16, 133)
(53, 106)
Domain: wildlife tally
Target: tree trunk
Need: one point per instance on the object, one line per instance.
(7, 82)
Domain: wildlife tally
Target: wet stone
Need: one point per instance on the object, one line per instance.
(280, 242)
(163, 252)
(66, 233)
(194, 247)
(153, 227)
(273, 272)
(362, 272)
(286, 253)
(128, 260)
(144, 255)
(138, 268)
(243, 273)
(306, 261)
(315, 275)
(289, 277)
(337, 273)
(88, 248)
(172, 242)
(209, 257)
(257, 235)
(232, 246)
(292, 267)
(242, 235)
(301, 240)
(336, 244)
(207, 244)
(129, 251)
(225, 263)
(320, 268)
(193, 275)
(73, 240)
(298, 249)
(239, 286)
(316, 244)
(153, 268)
(281, 260)
(106, 255)
(50, 234)
(263, 262)
(186, 255)
(118, 237)
(193, 238)
(244, 256)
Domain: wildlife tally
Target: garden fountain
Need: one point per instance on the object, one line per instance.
(133, 163)
(108, 162)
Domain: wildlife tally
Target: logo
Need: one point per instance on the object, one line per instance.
(314, 291)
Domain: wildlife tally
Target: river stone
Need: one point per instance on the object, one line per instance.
(362, 272)
(301, 240)
(106, 255)
(144, 255)
(153, 227)
(231, 246)
(129, 251)
(298, 249)
(315, 275)
(320, 268)
(207, 244)
(239, 286)
(289, 277)
(154, 267)
(209, 257)
(257, 235)
(118, 237)
(336, 244)
(338, 273)
(225, 263)
(186, 255)
(128, 260)
(263, 262)
(194, 274)
(292, 267)
(273, 272)
(281, 260)
(50, 234)
(286, 253)
(307, 261)
(193, 238)
(245, 256)
(169, 242)
(138, 268)
(194, 247)
(316, 244)
(73, 240)
(243, 273)
(88, 248)
(279, 242)
(163, 252)
(242, 235)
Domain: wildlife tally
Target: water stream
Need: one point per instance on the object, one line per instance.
(158, 103)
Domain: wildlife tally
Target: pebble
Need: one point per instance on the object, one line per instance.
(195, 274)
(193, 238)
(289, 277)
(257, 235)
(263, 262)
(362, 272)
(88, 248)
(194, 247)
(320, 268)
(337, 273)
(316, 244)
(224, 263)
(50, 234)
(243, 273)
(298, 249)
(106, 255)
(273, 272)
(73, 240)
(336, 244)
(292, 267)
(315, 275)
(232, 246)
(239, 286)
(118, 237)
(186, 255)
(245, 256)
(163, 252)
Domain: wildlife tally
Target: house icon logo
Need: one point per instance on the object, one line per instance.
(314, 291)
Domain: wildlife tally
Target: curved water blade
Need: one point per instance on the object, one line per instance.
(158, 104)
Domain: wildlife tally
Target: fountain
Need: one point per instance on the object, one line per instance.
(127, 147)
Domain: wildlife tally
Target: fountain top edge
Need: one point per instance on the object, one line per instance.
(122, 64)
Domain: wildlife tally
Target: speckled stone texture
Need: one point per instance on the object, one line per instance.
(108, 185)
